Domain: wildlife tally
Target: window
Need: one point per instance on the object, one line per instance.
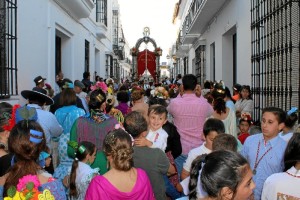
(275, 54)
(87, 56)
(101, 11)
(185, 65)
(8, 48)
(200, 64)
(57, 54)
(212, 62)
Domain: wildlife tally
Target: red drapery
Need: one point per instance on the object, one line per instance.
(142, 58)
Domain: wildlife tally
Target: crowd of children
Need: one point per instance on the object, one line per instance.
(175, 141)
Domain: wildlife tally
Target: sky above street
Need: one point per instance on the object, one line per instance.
(155, 14)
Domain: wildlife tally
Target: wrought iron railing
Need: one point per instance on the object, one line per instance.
(8, 48)
(194, 8)
(275, 54)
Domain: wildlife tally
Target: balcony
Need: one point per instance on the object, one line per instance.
(101, 30)
(200, 13)
(77, 8)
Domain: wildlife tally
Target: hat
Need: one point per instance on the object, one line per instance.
(37, 94)
(38, 80)
(44, 155)
(79, 84)
(237, 87)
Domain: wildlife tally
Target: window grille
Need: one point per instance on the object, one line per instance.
(200, 64)
(87, 56)
(275, 54)
(101, 11)
(8, 48)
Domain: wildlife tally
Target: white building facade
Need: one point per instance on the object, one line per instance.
(214, 40)
(69, 36)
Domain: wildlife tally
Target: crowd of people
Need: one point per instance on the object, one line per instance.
(172, 140)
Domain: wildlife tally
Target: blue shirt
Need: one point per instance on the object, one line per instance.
(271, 163)
(48, 122)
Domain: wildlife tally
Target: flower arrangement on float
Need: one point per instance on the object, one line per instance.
(28, 188)
(160, 92)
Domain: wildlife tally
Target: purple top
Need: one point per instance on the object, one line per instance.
(101, 188)
(123, 107)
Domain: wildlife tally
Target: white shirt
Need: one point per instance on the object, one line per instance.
(282, 185)
(199, 189)
(194, 153)
(158, 138)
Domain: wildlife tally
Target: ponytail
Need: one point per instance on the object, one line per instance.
(194, 174)
(73, 189)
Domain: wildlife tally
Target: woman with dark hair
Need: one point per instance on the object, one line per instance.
(288, 130)
(222, 112)
(117, 146)
(285, 185)
(245, 103)
(94, 127)
(26, 142)
(224, 175)
(66, 116)
(81, 173)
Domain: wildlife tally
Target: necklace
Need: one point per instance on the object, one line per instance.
(292, 175)
(257, 161)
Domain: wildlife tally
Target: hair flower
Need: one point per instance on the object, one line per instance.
(99, 85)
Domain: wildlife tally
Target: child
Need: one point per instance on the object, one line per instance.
(291, 118)
(212, 127)
(225, 175)
(45, 159)
(157, 136)
(265, 151)
(44, 162)
(244, 126)
(221, 142)
(81, 173)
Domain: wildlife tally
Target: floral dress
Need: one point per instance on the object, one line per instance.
(66, 116)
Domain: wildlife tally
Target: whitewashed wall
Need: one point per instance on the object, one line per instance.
(38, 23)
(234, 16)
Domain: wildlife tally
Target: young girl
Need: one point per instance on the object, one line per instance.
(265, 151)
(26, 141)
(291, 118)
(244, 126)
(225, 175)
(81, 173)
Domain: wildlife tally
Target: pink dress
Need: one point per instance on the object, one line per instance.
(101, 188)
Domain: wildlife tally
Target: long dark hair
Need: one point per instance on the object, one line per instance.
(292, 152)
(80, 156)
(222, 169)
(26, 153)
